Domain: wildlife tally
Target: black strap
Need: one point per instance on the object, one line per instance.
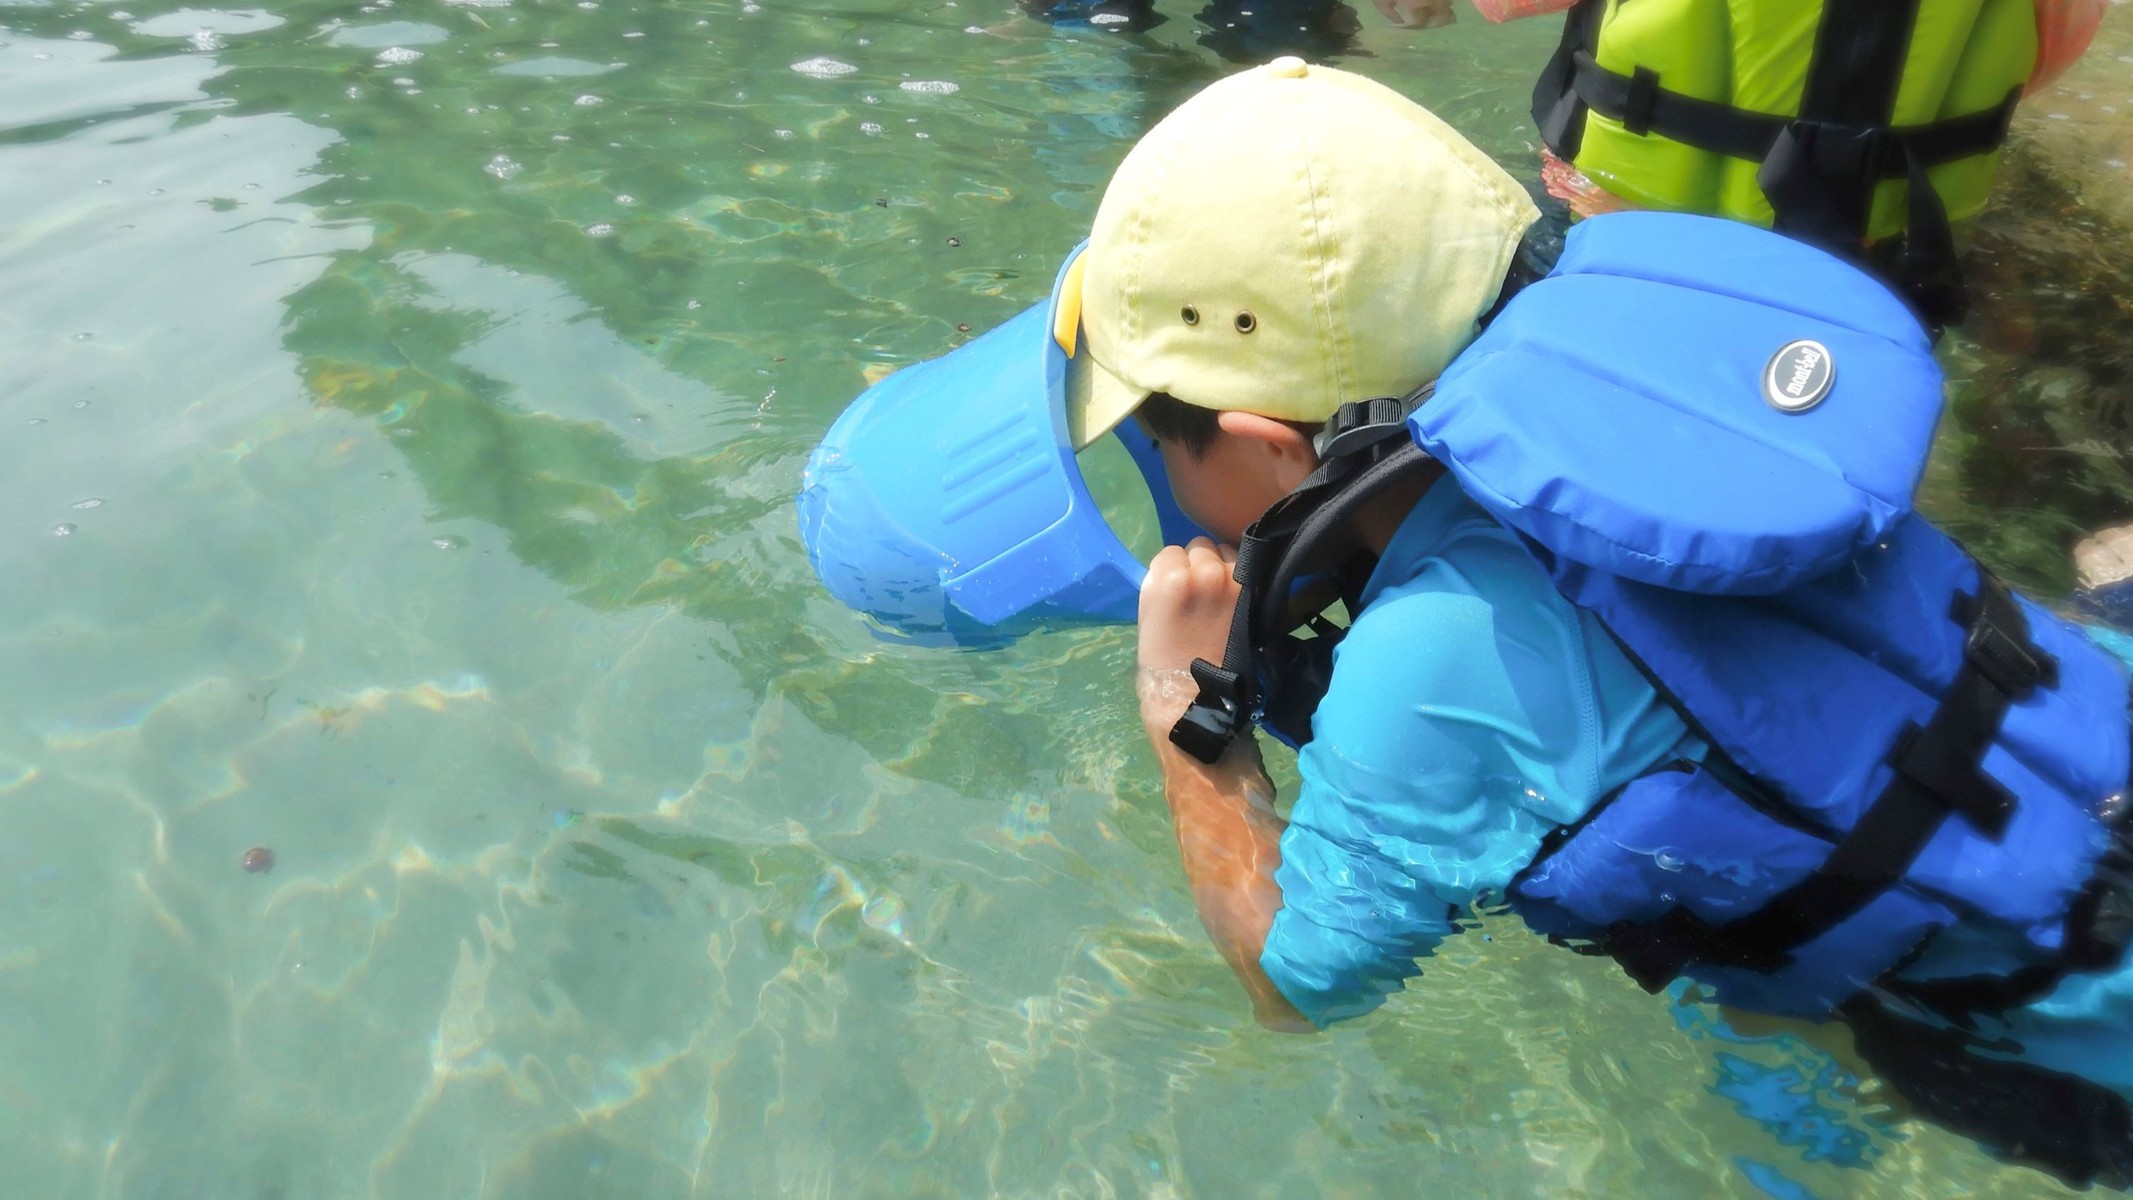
(1558, 106)
(2099, 928)
(1819, 169)
(1936, 771)
(1738, 133)
(1860, 46)
(1364, 450)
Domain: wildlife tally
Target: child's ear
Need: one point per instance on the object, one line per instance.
(1279, 436)
(1289, 447)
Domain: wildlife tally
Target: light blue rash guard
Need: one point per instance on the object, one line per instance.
(1472, 710)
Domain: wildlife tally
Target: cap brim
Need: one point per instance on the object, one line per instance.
(1096, 400)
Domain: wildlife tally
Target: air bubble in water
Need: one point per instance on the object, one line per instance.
(869, 127)
(602, 229)
(885, 914)
(206, 41)
(931, 87)
(91, 502)
(588, 101)
(449, 542)
(824, 68)
(63, 530)
(397, 56)
(625, 199)
(502, 167)
(1667, 858)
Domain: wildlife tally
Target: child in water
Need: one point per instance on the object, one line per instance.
(1295, 239)
(2064, 29)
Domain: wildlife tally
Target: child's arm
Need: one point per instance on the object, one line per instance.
(1228, 834)
(1229, 838)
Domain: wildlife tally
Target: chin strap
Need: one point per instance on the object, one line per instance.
(1363, 449)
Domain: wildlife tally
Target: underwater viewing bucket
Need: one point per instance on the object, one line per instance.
(947, 502)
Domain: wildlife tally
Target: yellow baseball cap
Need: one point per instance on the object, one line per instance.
(1292, 238)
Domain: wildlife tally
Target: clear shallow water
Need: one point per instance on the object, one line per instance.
(402, 410)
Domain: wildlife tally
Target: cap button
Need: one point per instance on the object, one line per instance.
(1288, 66)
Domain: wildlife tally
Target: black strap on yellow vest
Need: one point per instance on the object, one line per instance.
(1819, 168)
(1936, 771)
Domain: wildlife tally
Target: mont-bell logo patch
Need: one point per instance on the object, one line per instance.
(1799, 376)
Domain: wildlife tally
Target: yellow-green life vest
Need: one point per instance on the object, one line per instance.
(1677, 104)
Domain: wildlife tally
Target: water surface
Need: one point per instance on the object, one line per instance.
(403, 408)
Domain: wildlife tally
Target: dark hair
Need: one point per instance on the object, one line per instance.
(1169, 419)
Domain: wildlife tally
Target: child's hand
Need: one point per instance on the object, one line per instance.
(1186, 604)
(1417, 14)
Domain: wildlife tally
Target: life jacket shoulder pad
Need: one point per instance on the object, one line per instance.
(1616, 411)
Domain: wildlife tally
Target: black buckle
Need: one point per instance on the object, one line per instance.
(1210, 723)
(1359, 426)
(1843, 151)
(1643, 92)
(2011, 666)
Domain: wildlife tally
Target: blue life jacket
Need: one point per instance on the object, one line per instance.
(1710, 435)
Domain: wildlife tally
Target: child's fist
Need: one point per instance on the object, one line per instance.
(1186, 603)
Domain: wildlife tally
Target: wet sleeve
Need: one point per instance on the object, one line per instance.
(1413, 800)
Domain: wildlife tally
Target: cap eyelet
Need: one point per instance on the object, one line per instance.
(1246, 322)
(1189, 315)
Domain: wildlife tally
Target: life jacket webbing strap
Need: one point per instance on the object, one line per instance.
(1738, 133)
(1558, 109)
(1364, 451)
(2099, 928)
(1937, 769)
(1857, 65)
(1818, 169)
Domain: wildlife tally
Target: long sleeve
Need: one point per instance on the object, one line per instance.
(1472, 710)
